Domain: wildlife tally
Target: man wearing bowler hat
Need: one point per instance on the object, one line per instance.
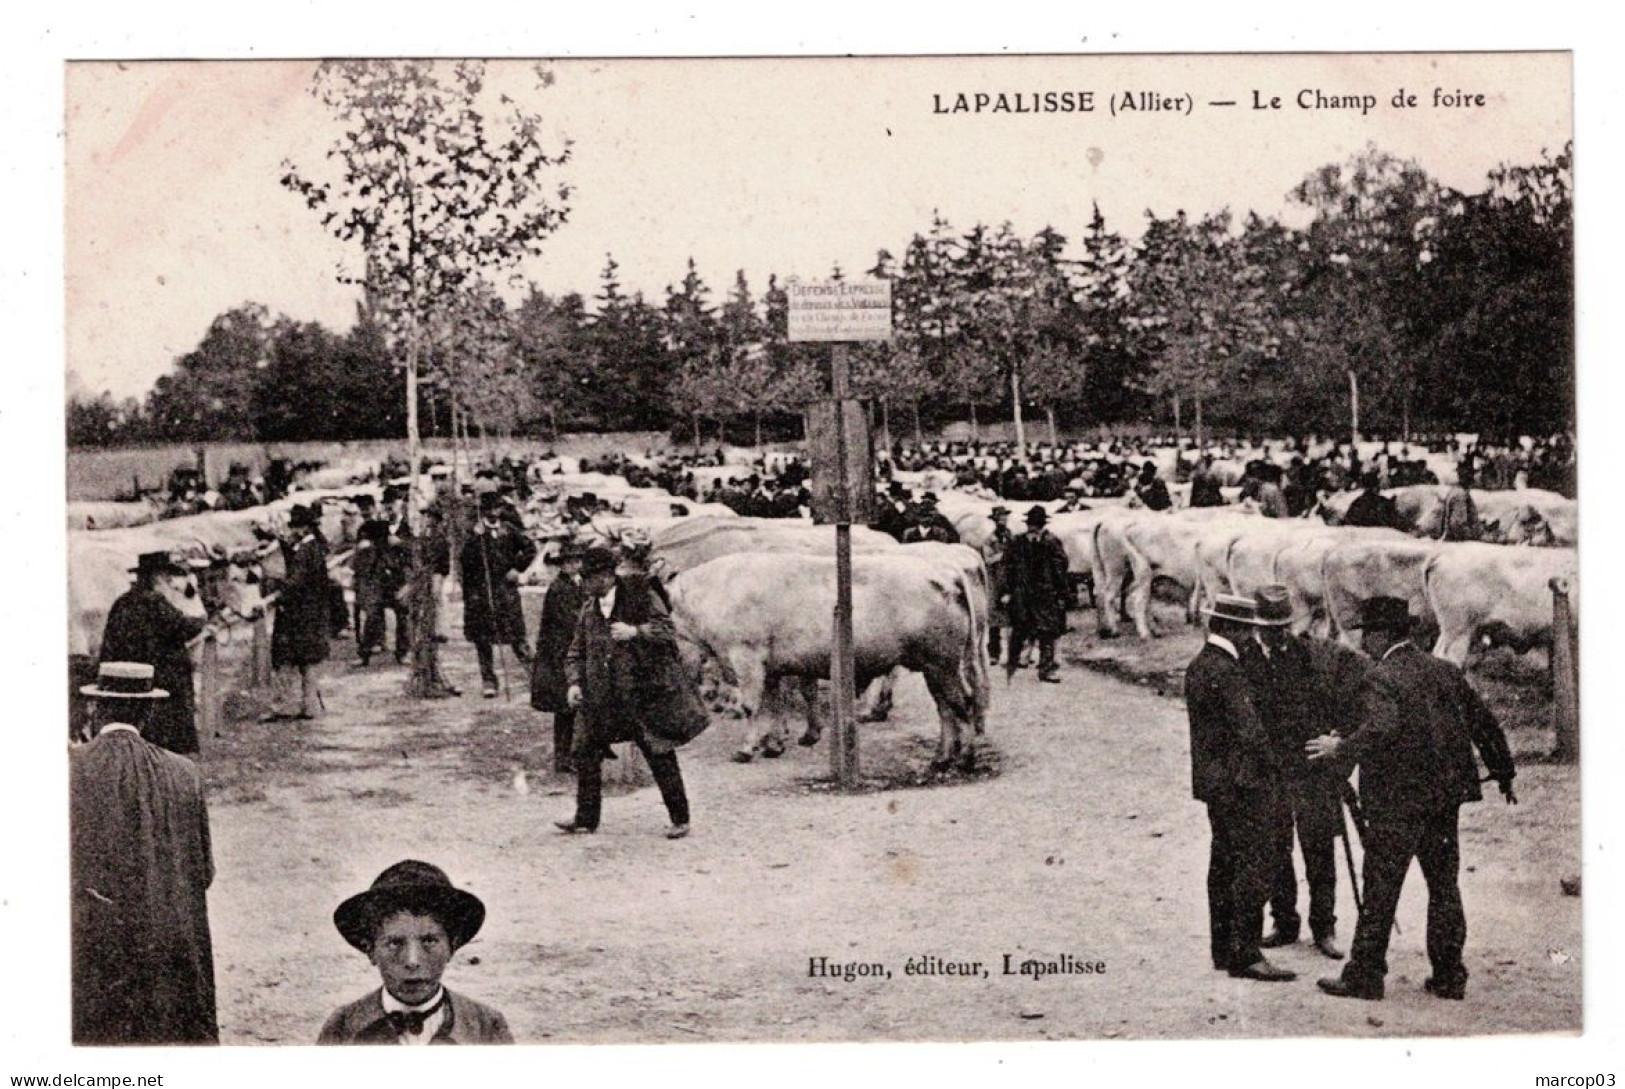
(548, 688)
(410, 923)
(145, 626)
(493, 558)
(1304, 688)
(1414, 749)
(1235, 772)
(1036, 594)
(994, 552)
(143, 962)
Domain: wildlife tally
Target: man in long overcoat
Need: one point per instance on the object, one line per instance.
(1234, 771)
(143, 962)
(549, 690)
(493, 558)
(609, 673)
(144, 626)
(1422, 722)
(304, 607)
(1038, 590)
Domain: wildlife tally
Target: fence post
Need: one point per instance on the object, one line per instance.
(1565, 669)
(208, 695)
(259, 659)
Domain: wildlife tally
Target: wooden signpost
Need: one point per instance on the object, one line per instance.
(842, 468)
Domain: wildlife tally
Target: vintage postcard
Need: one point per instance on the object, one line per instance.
(822, 550)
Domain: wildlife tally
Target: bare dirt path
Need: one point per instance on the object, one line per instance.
(1084, 842)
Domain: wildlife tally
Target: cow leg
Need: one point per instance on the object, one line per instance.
(750, 676)
(879, 699)
(953, 712)
(1139, 598)
(815, 728)
(1454, 647)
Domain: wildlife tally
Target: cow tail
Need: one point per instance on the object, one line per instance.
(974, 670)
(1334, 630)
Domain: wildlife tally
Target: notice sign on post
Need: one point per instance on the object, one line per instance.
(840, 310)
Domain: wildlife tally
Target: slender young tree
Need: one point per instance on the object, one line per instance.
(440, 180)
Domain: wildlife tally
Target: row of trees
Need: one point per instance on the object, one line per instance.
(1401, 305)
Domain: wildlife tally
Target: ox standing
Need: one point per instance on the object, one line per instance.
(143, 626)
(1415, 751)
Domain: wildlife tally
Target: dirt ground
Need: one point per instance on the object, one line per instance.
(1078, 836)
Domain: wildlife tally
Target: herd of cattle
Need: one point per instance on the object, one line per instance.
(752, 599)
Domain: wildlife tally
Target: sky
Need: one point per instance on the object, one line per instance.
(174, 211)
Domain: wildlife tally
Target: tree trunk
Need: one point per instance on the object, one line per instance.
(1354, 407)
(1198, 422)
(1178, 430)
(1049, 411)
(425, 680)
(975, 428)
(696, 434)
(918, 438)
(885, 426)
(552, 426)
(1015, 408)
(1405, 415)
(758, 419)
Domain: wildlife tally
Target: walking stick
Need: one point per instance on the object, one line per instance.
(1352, 801)
(1348, 856)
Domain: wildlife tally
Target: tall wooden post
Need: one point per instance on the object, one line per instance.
(1565, 669)
(843, 752)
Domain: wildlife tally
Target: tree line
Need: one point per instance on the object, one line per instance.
(1401, 306)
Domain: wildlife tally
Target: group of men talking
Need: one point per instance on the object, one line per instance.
(1278, 723)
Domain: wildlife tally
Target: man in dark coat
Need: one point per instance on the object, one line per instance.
(1371, 508)
(1038, 590)
(1151, 490)
(607, 670)
(994, 551)
(561, 608)
(143, 961)
(144, 626)
(1205, 485)
(1305, 688)
(303, 615)
(493, 558)
(1234, 771)
(1414, 749)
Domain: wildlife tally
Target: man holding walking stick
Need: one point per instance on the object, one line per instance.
(495, 555)
(1414, 748)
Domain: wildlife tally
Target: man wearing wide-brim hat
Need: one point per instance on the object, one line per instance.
(493, 558)
(1038, 592)
(1414, 748)
(153, 622)
(304, 614)
(409, 923)
(1304, 688)
(1235, 772)
(994, 554)
(143, 962)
